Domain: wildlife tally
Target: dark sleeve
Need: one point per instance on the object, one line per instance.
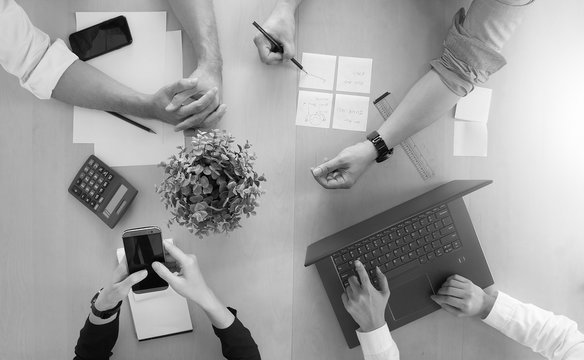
(236, 341)
(97, 341)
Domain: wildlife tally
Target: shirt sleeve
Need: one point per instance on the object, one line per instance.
(27, 52)
(236, 341)
(472, 49)
(97, 341)
(554, 337)
(378, 344)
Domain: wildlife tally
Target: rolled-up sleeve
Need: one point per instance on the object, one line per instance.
(472, 49)
(27, 52)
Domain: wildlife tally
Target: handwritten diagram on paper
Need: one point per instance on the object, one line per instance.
(322, 71)
(314, 109)
(354, 74)
(351, 112)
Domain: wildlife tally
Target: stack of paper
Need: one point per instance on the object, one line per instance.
(470, 130)
(153, 60)
(315, 107)
(159, 313)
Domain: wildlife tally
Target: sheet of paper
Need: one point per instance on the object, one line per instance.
(354, 74)
(321, 69)
(470, 138)
(314, 109)
(475, 106)
(118, 143)
(351, 112)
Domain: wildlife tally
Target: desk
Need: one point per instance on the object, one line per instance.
(55, 254)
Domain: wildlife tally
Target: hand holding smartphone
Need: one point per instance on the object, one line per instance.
(143, 246)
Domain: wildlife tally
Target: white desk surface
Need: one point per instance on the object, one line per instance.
(55, 254)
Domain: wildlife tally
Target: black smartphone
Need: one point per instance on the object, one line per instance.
(143, 246)
(100, 39)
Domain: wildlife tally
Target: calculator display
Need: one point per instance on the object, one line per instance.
(141, 252)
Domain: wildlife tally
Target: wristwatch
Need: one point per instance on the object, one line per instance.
(106, 314)
(383, 153)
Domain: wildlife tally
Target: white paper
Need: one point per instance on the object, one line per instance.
(351, 112)
(470, 138)
(158, 313)
(314, 109)
(118, 143)
(354, 74)
(475, 106)
(321, 69)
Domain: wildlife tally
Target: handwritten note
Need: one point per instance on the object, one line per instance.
(314, 109)
(321, 69)
(354, 74)
(475, 106)
(351, 112)
(470, 138)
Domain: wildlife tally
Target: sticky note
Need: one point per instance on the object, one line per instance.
(475, 106)
(354, 74)
(321, 69)
(314, 109)
(351, 112)
(470, 138)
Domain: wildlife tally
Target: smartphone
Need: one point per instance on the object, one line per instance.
(100, 39)
(143, 246)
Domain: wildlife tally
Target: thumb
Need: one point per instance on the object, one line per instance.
(382, 282)
(133, 279)
(289, 51)
(164, 273)
(327, 167)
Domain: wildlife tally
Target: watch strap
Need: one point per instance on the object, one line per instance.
(383, 152)
(105, 314)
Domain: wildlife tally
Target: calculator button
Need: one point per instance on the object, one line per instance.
(106, 173)
(109, 177)
(90, 162)
(95, 176)
(100, 169)
(78, 181)
(96, 197)
(96, 206)
(95, 187)
(105, 184)
(86, 169)
(76, 190)
(100, 191)
(91, 183)
(92, 203)
(91, 172)
(91, 193)
(100, 180)
(95, 166)
(100, 200)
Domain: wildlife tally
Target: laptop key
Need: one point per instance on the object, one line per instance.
(343, 267)
(439, 252)
(447, 230)
(456, 244)
(447, 248)
(449, 238)
(447, 221)
(431, 256)
(423, 259)
(436, 244)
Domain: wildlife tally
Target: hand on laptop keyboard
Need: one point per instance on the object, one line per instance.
(364, 302)
(461, 297)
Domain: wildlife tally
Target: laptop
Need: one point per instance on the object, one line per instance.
(416, 244)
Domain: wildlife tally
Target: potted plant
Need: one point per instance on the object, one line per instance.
(211, 184)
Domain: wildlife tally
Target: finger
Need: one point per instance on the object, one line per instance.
(362, 273)
(451, 309)
(451, 281)
(382, 280)
(180, 90)
(354, 283)
(327, 167)
(451, 291)
(132, 280)
(452, 301)
(121, 271)
(289, 51)
(176, 253)
(332, 183)
(215, 116)
(164, 273)
(345, 300)
(207, 102)
(461, 279)
(265, 50)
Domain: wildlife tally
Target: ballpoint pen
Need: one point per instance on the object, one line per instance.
(276, 46)
(130, 121)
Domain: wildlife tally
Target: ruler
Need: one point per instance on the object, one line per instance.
(384, 106)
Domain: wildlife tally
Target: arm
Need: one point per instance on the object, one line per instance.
(471, 54)
(282, 26)
(367, 306)
(98, 336)
(236, 340)
(554, 337)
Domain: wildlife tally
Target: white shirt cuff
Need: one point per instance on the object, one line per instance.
(503, 310)
(376, 341)
(49, 70)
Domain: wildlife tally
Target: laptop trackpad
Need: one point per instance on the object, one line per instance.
(409, 295)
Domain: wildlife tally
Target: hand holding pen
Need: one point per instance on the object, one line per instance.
(281, 26)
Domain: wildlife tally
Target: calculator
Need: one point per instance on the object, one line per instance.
(102, 190)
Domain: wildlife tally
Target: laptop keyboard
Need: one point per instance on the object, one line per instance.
(421, 238)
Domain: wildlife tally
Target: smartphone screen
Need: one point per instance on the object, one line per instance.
(141, 251)
(101, 38)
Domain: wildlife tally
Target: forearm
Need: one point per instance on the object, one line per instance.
(292, 4)
(83, 85)
(217, 313)
(427, 101)
(198, 20)
(97, 341)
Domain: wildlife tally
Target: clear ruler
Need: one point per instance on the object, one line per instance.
(385, 108)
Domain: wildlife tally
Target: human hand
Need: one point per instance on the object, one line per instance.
(460, 297)
(171, 105)
(281, 25)
(343, 171)
(365, 303)
(190, 282)
(119, 287)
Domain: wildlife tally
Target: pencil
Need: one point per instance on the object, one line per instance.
(130, 121)
(276, 46)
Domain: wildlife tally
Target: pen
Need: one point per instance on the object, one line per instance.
(276, 46)
(130, 121)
